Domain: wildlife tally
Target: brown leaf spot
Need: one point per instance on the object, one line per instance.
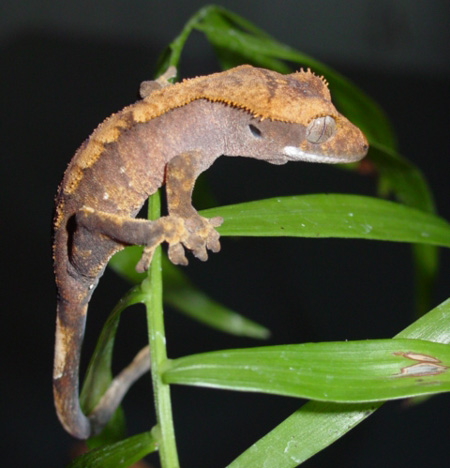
(422, 369)
(425, 365)
(417, 356)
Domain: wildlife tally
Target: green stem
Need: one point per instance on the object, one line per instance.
(172, 54)
(152, 289)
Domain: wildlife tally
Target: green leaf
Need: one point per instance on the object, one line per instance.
(313, 427)
(406, 181)
(184, 297)
(228, 32)
(334, 215)
(316, 425)
(230, 44)
(358, 371)
(118, 455)
(238, 41)
(99, 376)
(172, 53)
(124, 264)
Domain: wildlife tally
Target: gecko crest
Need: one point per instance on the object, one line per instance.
(296, 98)
(169, 138)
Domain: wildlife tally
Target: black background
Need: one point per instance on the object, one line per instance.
(66, 66)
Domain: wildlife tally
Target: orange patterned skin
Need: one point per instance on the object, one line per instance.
(168, 138)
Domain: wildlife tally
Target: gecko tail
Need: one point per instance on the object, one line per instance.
(70, 325)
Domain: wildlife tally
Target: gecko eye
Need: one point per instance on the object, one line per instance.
(321, 129)
(256, 132)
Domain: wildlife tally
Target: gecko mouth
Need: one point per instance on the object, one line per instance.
(296, 154)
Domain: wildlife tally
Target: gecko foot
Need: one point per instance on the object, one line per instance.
(199, 236)
(195, 233)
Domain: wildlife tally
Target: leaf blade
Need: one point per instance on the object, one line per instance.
(316, 425)
(333, 215)
(227, 31)
(238, 41)
(99, 374)
(346, 372)
(184, 297)
(120, 454)
(304, 433)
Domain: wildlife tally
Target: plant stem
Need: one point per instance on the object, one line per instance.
(172, 54)
(152, 288)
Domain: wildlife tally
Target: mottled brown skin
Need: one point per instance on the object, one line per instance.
(170, 137)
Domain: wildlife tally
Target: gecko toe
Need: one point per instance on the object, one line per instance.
(145, 260)
(213, 242)
(176, 254)
(201, 253)
(216, 221)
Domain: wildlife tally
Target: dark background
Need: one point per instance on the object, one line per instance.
(66, 66)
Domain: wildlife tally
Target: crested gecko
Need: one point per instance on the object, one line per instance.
(171, 135)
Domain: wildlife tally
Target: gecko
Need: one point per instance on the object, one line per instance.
(169, 137)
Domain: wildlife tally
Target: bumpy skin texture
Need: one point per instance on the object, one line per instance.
(170, 136)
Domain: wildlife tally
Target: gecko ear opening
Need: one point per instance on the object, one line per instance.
(321, 129)
(255, 131)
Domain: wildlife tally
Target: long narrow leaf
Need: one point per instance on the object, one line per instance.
(359, 371)
(313, 427)
(334, 215)
(184, 297)
(99, 375)
(405, 180)
(225, 31)
(237, 41)
(118, 455)
(198, 306)
(316, 425)
(403, 177)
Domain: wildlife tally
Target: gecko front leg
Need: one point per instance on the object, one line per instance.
(182, 228)
(200, 233)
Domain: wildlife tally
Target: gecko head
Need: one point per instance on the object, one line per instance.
(329, 139)
(292, 118)
(324, 139)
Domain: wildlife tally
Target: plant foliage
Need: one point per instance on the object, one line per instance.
(345, 381)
